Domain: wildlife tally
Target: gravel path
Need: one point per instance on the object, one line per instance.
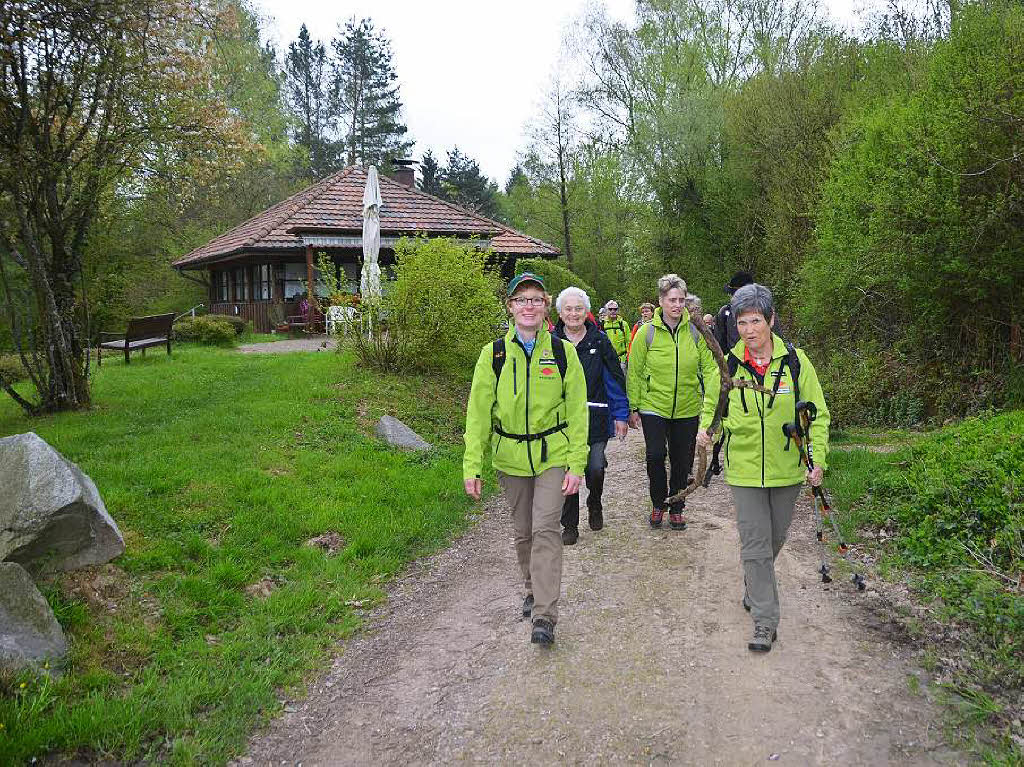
(311, 344)
(650, 665)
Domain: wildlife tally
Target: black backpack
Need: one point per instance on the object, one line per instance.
(557, 351)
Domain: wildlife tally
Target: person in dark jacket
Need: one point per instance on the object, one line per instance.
(725, 331)
(606, 400)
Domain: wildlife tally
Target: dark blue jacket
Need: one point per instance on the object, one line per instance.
(606, 385)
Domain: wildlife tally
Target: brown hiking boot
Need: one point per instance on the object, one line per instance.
(657, 515)
(676, 521)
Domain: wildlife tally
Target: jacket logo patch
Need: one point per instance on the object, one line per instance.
(593, 351)
(546, 371)
(785, 390)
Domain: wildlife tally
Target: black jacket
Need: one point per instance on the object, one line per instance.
(606, 384)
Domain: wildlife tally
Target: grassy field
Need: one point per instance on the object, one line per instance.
(218, 467)
(950, 506)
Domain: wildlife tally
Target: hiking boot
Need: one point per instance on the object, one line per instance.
(596, 519)
(676, 521)
(570, 535)
(656, 516)
(543, 631)
(528, 606)
(763, 638)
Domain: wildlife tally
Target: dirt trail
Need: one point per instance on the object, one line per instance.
(650, 664)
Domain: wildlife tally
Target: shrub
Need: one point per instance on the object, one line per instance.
(11, 369)
(442, 305)
(209, 330)
(237, 323)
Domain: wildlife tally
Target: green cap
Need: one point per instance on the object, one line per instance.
(519, 279)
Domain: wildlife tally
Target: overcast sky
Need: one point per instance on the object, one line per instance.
(471, 71)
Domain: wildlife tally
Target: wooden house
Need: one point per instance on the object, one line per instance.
(271, 258)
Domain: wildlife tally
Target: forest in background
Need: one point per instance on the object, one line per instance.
(874, 179)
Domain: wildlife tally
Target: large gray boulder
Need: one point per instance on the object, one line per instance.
(396, 433)
(30, 636)
(51, 515)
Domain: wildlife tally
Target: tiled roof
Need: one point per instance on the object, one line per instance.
(334, 205)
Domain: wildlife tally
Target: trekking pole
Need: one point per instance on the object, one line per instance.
(794, 432)
(806, 413)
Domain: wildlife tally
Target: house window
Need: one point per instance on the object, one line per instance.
(262, 292)
(222, 286)
(241, 284)
(295, 281)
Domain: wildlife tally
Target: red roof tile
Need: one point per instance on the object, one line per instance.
(334, 205)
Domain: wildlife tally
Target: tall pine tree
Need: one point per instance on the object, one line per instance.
(308, 97)
(366, 88)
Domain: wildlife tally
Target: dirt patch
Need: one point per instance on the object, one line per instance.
(311, 344)
(650, 663)
(330, 543)
(264, 587)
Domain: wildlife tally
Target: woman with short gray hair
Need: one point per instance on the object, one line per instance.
(763, 470)
(666, 364)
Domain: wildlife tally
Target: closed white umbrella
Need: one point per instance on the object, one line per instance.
(369, 282)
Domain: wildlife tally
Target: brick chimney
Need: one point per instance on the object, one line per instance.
(403, 172)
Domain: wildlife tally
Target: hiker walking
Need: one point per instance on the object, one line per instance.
(606, 400)
(616, 328)
(763, 472)
(725, 322)
(529, 401)
(646, 313)
(663, 388)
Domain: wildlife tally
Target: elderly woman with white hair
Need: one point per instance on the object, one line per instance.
(667, 363)
(606, 401)
(763, 470)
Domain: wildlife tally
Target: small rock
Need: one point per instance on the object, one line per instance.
(30, 636)
(397, 434)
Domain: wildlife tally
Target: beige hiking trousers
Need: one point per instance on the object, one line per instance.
(536, 504)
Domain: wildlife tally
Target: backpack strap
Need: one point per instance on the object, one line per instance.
(650, 334)
(558, 352)
(497, 360)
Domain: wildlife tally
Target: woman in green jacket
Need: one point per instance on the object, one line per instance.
(762, 468)
(667, 361)
(529, 401)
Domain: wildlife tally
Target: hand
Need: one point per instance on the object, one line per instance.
(704, 439)
(815, 477)
(621, 428)
(570, 485)
(473, 488)
(634, 420)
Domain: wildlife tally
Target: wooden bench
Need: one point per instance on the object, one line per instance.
(142, 333)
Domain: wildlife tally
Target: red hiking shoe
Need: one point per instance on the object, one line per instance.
(657, 515)
(676, 521)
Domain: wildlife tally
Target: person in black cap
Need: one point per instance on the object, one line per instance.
(725, 323)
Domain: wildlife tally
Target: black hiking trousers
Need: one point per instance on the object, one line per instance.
(675, 439)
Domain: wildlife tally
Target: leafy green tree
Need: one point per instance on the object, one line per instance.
(365, 85)
(431, 173)
(92, 91)
(465, 184)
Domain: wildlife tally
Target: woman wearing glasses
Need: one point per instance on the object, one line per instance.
(529, 400)
(663, 384)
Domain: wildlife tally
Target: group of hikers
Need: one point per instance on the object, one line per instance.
(548, 398)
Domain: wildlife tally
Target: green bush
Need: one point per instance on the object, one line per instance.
(442, 305)
(953, 503)
(237, 323)
(11, 369)
(208, 330)
(556, 279)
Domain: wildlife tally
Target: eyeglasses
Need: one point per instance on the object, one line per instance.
(528, 301)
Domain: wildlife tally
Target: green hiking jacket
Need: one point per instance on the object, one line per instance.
(662, 378)
(530, 398)
(618, 333)
(755, 453)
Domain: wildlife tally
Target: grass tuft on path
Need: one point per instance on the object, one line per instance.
(218, 467)
(951, 505)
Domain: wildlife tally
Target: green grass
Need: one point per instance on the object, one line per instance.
(218, 467)
(953, 503)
